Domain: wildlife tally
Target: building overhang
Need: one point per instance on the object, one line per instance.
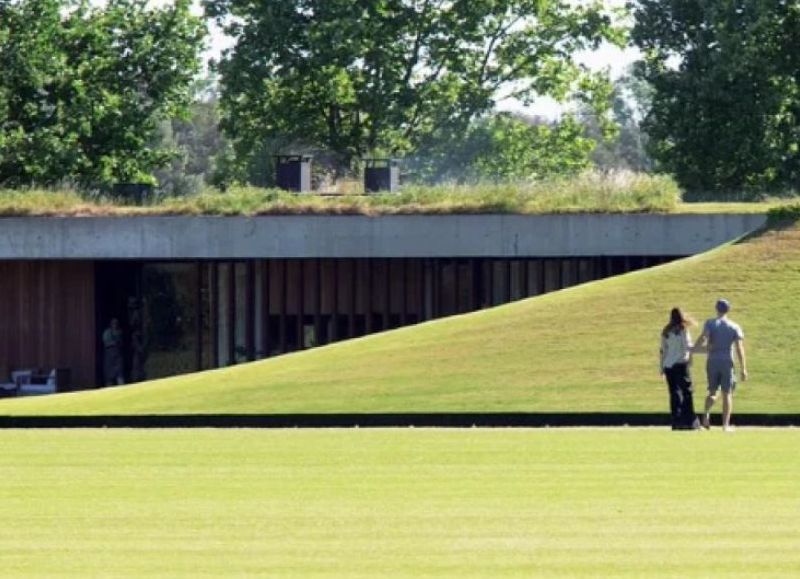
(355, 236)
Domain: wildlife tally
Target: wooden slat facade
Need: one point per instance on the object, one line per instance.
(47, 318)
(226, 312)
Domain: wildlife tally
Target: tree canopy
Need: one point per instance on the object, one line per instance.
(391, 76)
(725, 111)
(83, 88)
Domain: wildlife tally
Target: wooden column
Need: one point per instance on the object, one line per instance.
(437, 287)
(404, 306)
(369, 297)
(198, 325)
(387, 294)
(542, 276)
(266, 280)
(424, 268)
(214, 289)
(335, 301)
(250, 311)
(490, 282)
(301, 304)
(424, 314)
(509, 282)
(232, 312)
(524, 272)
(477, 283)
(284, 287)
(353, 305)
(457, 286)
(318, 301)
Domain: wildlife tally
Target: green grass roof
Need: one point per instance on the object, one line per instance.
(591, 348)
(588, 193)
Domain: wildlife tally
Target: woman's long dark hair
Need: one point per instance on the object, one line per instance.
(677, 322)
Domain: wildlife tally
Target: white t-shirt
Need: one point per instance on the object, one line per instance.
(675, 348)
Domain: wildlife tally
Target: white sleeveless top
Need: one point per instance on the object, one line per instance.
(675, 348)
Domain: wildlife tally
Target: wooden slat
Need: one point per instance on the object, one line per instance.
(387, 294)
(353, 302)
(47, 318)
(198, 308)
(404, 303)
(250, 310)
(335, 301)
(215, 316)
(318, 301)
(284, 281)
(266, 280)
(369, 297)
(231, 312)
(301, 303)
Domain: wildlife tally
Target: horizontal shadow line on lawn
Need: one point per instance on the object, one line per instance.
(399, 420)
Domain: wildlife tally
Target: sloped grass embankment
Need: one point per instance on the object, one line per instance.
(591, 348)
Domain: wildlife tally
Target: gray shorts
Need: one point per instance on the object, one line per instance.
(721, 374)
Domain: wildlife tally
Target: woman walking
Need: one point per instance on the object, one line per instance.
(676, 352)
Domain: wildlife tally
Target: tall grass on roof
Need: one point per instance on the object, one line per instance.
(590, 192)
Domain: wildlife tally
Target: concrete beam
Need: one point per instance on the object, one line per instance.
(208, 237)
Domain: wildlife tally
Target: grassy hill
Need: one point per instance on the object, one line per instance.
(588, 348)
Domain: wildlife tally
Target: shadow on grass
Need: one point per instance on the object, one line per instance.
(404, 420)
(779, 219)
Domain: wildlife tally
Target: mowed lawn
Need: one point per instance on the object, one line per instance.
(400, 503)
(591, 348)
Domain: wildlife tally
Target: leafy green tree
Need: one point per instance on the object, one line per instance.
(83, 88)
(505, 147)
(31, 71)
(359, 76)
(725, 113)
(197, 141)
(626, 148)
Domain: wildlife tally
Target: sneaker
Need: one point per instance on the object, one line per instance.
(707, 422)
(729, 428)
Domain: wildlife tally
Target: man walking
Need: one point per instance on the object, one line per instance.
(722, 336)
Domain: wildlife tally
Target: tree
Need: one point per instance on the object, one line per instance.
(725, 114)
(83, 88)
(197, 141)
(31, 69)
(626, 149)
(360, 76)
(505, 146)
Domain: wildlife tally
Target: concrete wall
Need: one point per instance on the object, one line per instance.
(358, 236)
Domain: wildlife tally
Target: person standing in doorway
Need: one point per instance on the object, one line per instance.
(722, 336)
(112, 354)
(676, 352)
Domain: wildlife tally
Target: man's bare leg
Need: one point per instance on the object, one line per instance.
(727, 408)
(710, 399)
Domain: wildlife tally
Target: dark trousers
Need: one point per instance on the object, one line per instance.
(681, 399)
